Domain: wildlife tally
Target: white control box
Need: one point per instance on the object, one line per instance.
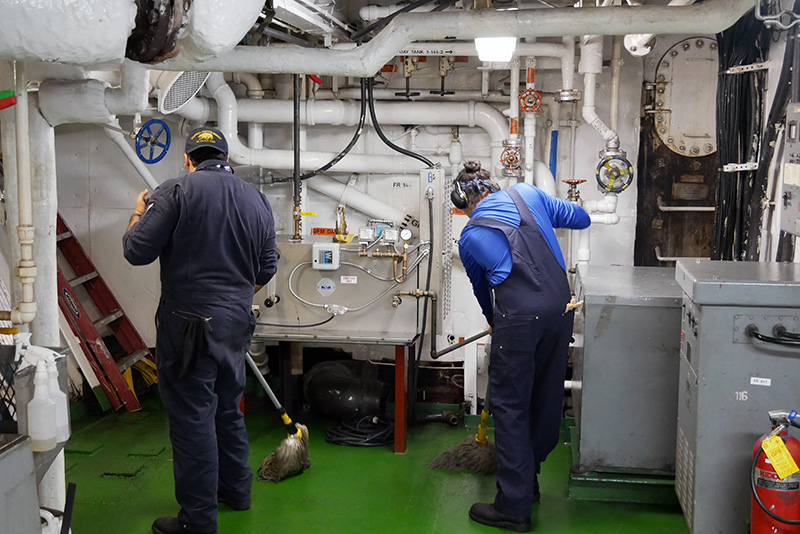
(325, 256)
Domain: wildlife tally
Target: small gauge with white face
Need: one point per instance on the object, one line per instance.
(405, 234)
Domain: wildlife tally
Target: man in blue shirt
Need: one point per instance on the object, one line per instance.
(214, 235)
(511, 255)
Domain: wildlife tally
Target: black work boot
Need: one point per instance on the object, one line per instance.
(487, 514)
(171, 525)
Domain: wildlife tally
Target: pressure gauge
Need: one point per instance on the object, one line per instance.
(405, 234)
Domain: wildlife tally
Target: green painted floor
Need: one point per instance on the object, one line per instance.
(121, 464)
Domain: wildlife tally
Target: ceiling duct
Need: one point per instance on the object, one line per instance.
(175, 89)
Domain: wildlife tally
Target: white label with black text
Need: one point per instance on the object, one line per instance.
(756, 381)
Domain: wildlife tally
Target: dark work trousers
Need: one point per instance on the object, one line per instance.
(202, 397)
(528, 361)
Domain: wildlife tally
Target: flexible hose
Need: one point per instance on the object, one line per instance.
(401, 150)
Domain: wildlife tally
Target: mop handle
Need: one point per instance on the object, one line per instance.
(437, 354)
(264, 384)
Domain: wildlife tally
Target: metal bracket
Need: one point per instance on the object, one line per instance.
(744, 69)
(739, 167)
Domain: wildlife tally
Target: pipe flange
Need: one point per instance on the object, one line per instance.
(568, 95)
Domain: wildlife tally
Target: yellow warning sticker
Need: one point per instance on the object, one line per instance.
(779, 455)
(308, 213)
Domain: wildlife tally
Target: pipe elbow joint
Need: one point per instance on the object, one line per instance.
(23, 313)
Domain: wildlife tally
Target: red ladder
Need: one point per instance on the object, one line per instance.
(108, 371)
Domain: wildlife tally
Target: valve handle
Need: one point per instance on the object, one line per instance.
(152, 141)
(530, 100)
(614, 174)
(510, 158)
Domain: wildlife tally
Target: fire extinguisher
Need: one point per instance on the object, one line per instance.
(775, 502)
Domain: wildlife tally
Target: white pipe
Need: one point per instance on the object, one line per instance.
(25, 311)
(364, 61)
(544, 178)
(355, 198)
(123, 143)
(604, 218)
(336, 112)
(608, 204)
(513, 99)
(529, 126)
(353, 93)
(590, 66)
(568, 64)
(638, 43)
(616, 65)
(584, 253)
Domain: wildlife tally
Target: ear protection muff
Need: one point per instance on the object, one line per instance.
(458, 197)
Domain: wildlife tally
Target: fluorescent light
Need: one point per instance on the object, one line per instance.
(498, 49)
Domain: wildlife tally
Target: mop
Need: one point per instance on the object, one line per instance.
(291, 456)
(474, 453)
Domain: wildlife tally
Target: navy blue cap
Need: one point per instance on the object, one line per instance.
(206, 136)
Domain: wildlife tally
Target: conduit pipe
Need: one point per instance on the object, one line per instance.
(590, 66)
(568, 63)
(704, 18)
(122, 142)
(447, 113)
(355, 199)
(25, 311)
(91, 101)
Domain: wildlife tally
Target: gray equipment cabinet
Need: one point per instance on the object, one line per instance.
(729, 381)
(625, 361)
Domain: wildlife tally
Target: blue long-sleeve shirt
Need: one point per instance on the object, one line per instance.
(485, 252)
(213, 233)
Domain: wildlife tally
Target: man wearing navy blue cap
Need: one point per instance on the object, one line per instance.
(512, 257)
(214, 235)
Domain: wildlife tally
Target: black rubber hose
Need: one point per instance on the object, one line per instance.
(378, 130)
(752, 331)
(296, 139)
(754, 489)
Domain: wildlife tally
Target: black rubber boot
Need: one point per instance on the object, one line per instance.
(171, 525)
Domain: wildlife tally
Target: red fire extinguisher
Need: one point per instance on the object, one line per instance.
(775, 502)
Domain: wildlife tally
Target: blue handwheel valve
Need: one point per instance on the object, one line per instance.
(152, 141)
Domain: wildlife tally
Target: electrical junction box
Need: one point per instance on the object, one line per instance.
(728, 382)
(325, 256)
(790, 212)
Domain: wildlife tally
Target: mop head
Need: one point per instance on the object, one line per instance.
(468, 455)
(289, 459)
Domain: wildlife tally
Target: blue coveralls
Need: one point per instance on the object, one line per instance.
(215, 237)
(530, 338)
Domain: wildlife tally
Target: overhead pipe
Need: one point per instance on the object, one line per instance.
(447, 113)
(356, 199)
(367, 59)
(639, 44)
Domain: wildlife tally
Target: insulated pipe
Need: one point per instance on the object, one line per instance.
(513, 106)
(122, 142)
(544, 178)
(355, 199)
(637, 44)
(616, 65)
(704, 18)
(91, 102)
(530, 126)
(448, 48)
(216, 26)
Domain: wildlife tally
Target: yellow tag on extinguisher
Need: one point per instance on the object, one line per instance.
(779, 455)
